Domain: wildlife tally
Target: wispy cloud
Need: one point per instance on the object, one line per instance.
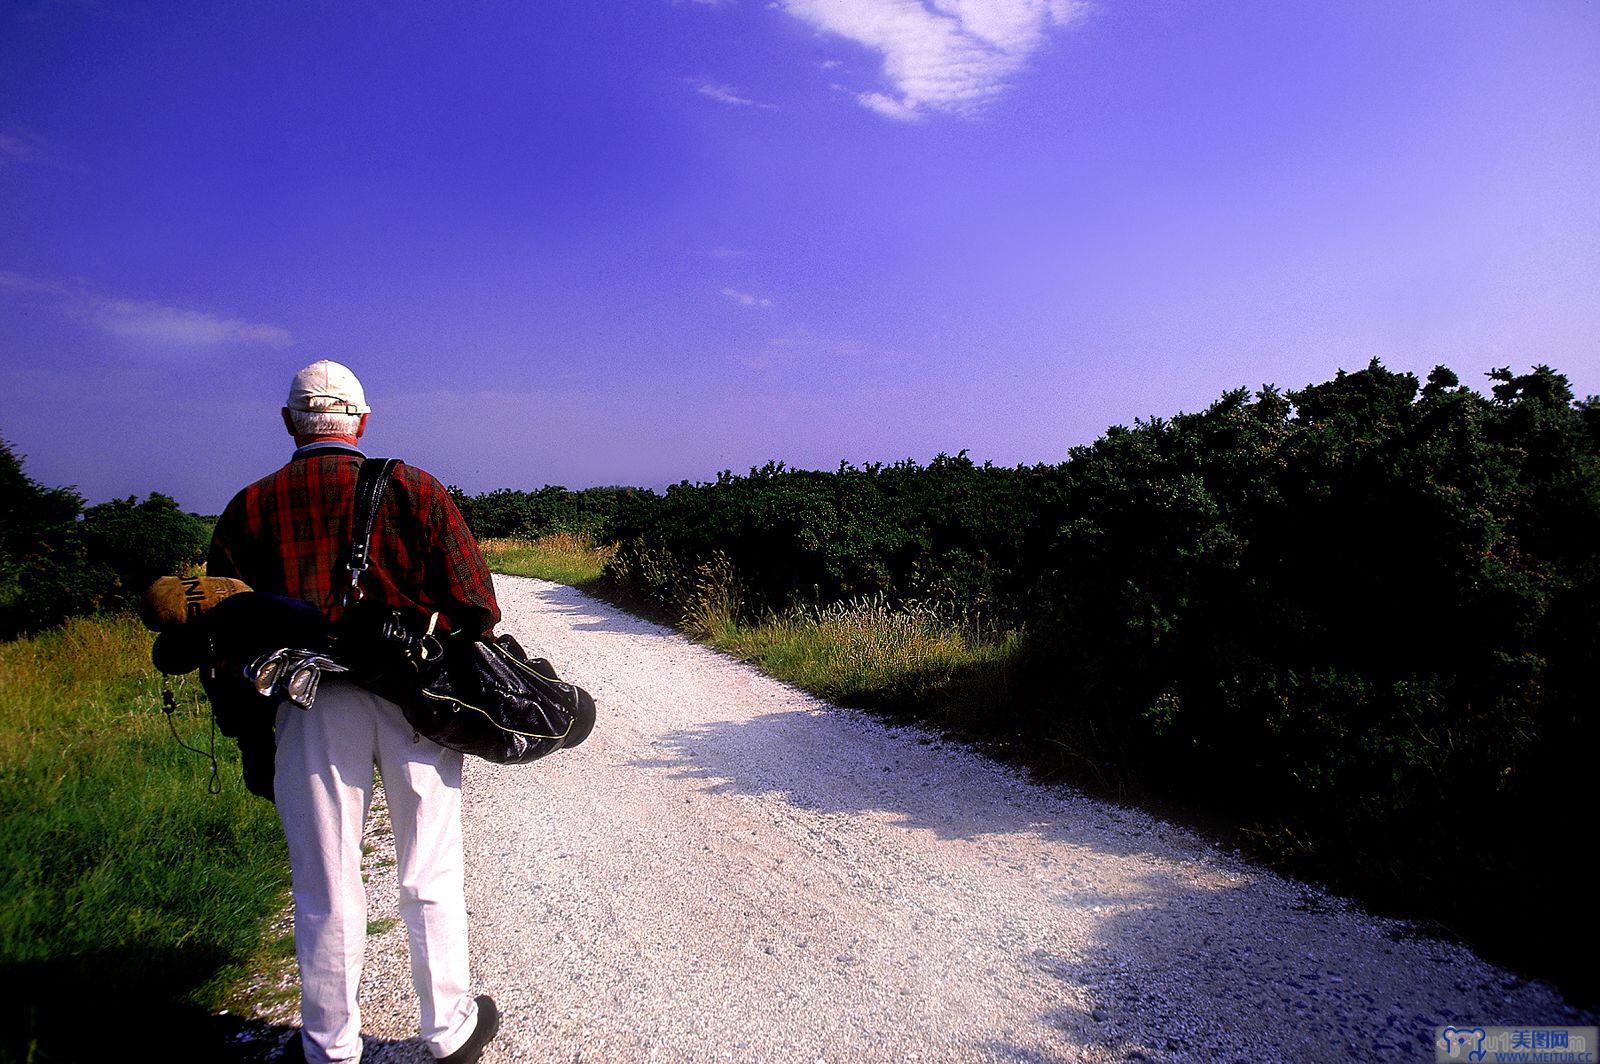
(16, 149)
(138, 319)
(18, 283)
(23, 149)
(729, 95)
(746, 299)
(175, 325)
(803, 347)
(951, 56)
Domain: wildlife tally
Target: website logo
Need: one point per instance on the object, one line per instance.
(1527, 1045)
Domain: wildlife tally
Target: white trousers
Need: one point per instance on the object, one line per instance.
(323, 789)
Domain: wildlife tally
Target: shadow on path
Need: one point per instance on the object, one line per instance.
(125, 1005)
(841, 761)
(1189, 955)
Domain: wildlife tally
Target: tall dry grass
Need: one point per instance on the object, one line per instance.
(953, 669)
(565, 557)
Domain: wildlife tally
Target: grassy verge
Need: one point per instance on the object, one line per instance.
(562, 557)
(950, 671)
(905, 662)
(133, 897)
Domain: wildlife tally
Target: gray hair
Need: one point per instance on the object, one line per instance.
(323, 423)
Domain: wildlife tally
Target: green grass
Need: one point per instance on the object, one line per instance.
(563, 557)
(129, 890)
(914, 662)
(910, 661)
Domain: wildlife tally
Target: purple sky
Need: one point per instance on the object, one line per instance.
(643, 241)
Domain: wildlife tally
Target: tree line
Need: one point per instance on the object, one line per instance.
(1363, 615)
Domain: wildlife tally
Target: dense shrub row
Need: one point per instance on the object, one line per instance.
(1364, 616)
(532, 514)
(1366, 613)
(58, 559)
(951, 530)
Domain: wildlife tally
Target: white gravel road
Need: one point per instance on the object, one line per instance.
(732, 870)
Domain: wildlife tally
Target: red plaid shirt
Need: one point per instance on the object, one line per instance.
(289, 534)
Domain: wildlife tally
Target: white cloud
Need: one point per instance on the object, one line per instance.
(888, 107)
(729, 95)
(136, 319)
(175, 325)
(746, 299)
(954, 56)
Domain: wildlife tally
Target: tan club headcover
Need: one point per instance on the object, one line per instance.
(178, 600)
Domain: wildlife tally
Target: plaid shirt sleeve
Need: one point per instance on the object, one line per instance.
(220, 561)
(458, 577)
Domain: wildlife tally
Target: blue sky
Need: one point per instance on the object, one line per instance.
(644, 240)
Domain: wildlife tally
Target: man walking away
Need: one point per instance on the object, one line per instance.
(287, 534)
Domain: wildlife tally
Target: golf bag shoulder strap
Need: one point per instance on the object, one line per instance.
(371, 483)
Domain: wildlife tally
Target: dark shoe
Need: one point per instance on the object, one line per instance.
(488, 1027)
(293, 1051)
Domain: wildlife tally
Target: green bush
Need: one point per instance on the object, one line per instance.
(951, 530)
(58, 560)
(534, 514)
(1314, 588)
(140, 541)
(1362, 614)
(46, 574)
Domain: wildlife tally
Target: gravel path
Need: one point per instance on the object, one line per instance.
(732, 870)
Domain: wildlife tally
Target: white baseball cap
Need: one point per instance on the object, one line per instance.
(327, 387)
